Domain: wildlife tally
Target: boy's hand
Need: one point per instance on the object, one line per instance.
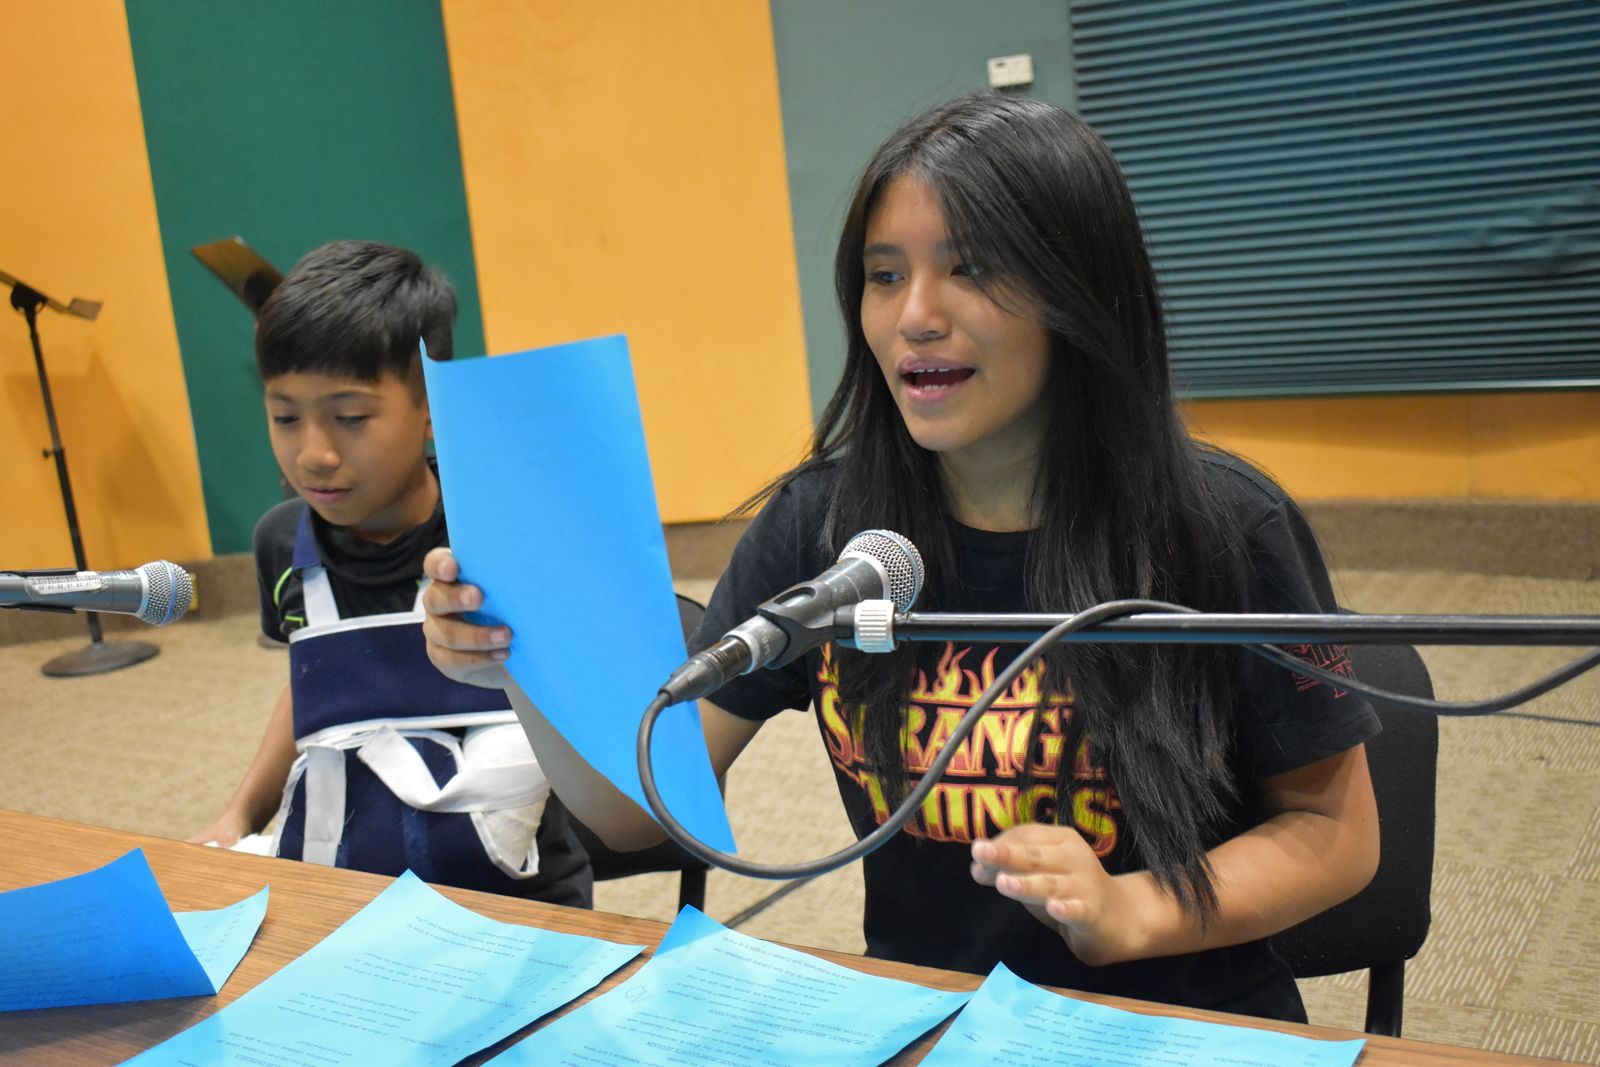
(225, 830)
(463, 651)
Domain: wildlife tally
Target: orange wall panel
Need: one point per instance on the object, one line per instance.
(1501, 446)
(78, 218)
(625, 174)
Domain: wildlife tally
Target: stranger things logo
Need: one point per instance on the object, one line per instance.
(981, 792)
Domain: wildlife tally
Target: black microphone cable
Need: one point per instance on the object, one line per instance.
(1443, 708)
(1089, 617)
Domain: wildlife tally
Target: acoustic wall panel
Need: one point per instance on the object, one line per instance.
(78, 218)
(289, 124)
(625, 169)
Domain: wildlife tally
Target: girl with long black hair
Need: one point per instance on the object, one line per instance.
(1131, 819)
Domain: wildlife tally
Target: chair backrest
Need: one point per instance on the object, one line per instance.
(1386, 923)
(667, 856)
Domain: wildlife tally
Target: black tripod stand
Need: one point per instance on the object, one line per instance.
(100, 655)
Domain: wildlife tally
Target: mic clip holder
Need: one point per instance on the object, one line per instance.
(806, 615)
(47, 572)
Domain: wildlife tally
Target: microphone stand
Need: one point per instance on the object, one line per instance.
(100, 656)
(875, 626)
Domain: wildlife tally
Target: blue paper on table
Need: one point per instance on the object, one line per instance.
(410, 979)
(713, 996)
(108, 936)
(552, 512)
(221, 937)
(1014, 1023)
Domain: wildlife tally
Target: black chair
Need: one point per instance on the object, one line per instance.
(667, 856)
(1385, 924)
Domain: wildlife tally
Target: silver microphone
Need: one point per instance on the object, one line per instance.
(875, 564)
(156, 593)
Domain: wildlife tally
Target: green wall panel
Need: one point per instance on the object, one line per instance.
(289, 124)
(849, 73)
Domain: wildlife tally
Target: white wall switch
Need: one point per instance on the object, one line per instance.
(1008, 71)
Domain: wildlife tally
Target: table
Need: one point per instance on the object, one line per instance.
(309, 901)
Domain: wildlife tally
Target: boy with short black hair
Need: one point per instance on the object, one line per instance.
(372, 759)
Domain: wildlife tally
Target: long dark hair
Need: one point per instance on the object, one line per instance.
(1121, 505)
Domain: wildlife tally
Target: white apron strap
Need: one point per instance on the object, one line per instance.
(320, 607)
(400, 767)
(324, 776)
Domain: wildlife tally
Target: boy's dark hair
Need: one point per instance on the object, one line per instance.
(355, 309)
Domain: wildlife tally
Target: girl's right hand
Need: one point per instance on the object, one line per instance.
(463, 651)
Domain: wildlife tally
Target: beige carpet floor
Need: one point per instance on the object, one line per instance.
(1513, 961)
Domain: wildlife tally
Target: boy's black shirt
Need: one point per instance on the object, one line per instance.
(378, 579)
(366, 578)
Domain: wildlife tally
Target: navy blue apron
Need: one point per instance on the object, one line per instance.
(399, 767)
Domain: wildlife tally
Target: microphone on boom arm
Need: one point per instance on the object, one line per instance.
(864, 600)
(875, 565)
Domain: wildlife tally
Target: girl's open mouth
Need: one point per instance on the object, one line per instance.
(932, 382)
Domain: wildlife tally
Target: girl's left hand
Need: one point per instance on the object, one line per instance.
(1054, 873)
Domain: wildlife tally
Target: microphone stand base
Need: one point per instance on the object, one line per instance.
(99, 657)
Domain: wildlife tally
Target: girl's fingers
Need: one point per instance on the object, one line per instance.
(1026, 848)
(460, 649)
(1034, 888)
(472, 668)
(436, 600)
(446, 632)
(1071, 912)
(450, 598)
(440, 565)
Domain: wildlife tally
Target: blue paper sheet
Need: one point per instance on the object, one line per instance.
(411, 979)
(220, 938)
(1012, 1023)
(710, 996)
(108, 936)
(552, 512)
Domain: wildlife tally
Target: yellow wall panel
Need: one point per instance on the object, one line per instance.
(1544, 446)
(78, 218)
(625, 174)
(1504, 446)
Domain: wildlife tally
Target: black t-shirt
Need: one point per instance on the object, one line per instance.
(377, 579)
(367, 578)
(922, 905)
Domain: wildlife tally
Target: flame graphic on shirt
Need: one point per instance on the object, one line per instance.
(978, 795)
(954, 683)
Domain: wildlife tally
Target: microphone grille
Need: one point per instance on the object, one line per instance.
(167, 592)
(899, 559)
